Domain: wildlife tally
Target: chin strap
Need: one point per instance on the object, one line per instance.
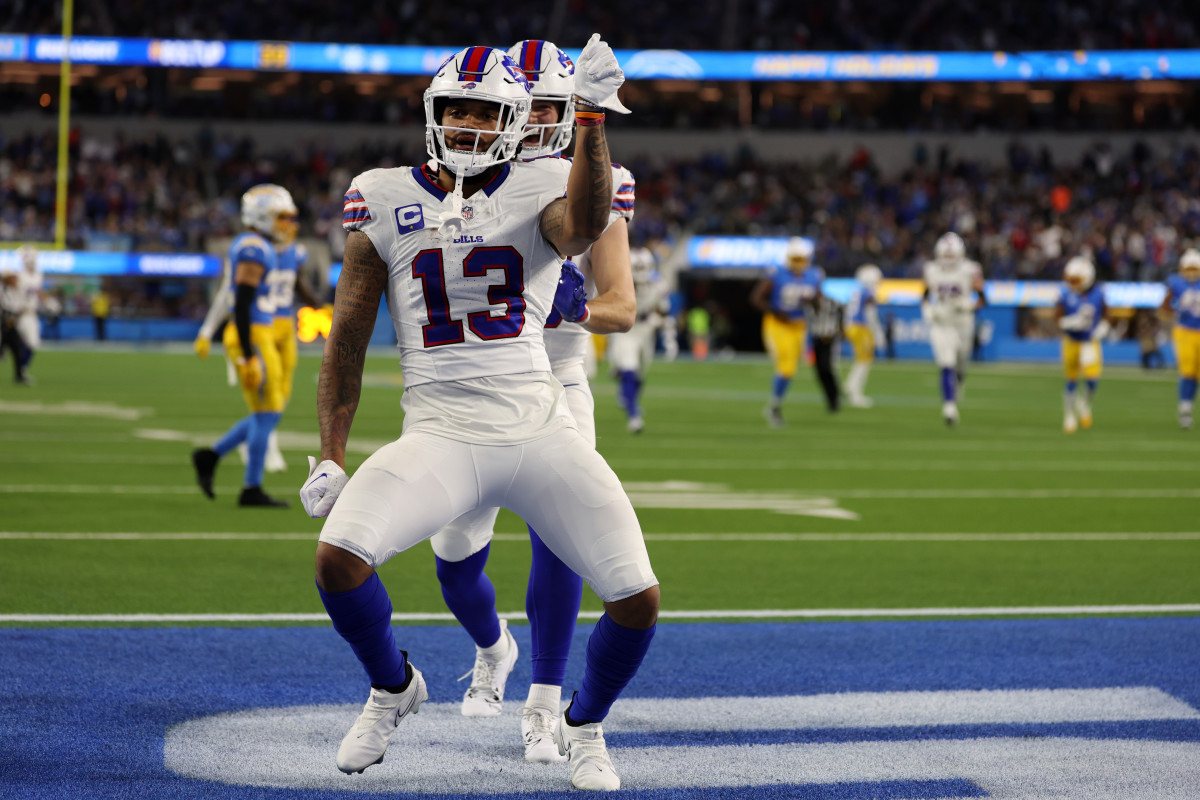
(453, 225)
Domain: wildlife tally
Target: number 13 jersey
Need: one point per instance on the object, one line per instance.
(468, 305)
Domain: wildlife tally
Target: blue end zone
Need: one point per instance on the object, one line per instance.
(84, 711)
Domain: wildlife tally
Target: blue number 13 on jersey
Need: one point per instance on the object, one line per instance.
(442, 328)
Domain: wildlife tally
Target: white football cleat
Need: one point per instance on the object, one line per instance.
(1185, 416)
(368, 739)
(950, 413)
(636, 425)
(485, 695)
(858, 401)
(274, 462)
(584, 747)
(537, 732)
(1084, 409)
(1069, 424)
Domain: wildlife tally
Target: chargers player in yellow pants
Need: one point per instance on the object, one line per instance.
(862, 317)
(286, 284)
(781, 296)
(1080, 314)
(1183, 301)
(270, 219)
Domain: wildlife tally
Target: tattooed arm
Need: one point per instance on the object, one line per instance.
(573, 222)
(356, 304)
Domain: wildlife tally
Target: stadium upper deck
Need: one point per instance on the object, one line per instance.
(855, 25)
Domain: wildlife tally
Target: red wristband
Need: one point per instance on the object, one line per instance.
(589, 118)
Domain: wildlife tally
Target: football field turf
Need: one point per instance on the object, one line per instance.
(876, 509)
(859, 606)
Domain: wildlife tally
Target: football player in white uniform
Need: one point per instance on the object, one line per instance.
(948, 308)
(469, 252)
(863, 333)
(630, 353)
(28, 297)
(461, 548)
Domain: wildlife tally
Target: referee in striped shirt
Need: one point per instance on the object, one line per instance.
(825, 326)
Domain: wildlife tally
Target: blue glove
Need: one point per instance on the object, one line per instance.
(570, 299)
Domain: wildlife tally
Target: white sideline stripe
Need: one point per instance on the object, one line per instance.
(900, 709)
(804, 613)
(655, 537)
(704, 499)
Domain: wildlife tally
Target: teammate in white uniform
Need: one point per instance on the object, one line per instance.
(27, 298)
(461, 548)
(630, 353)
(470, 257)
(949, 309)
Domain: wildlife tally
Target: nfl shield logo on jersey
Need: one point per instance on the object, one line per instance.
(467, 212)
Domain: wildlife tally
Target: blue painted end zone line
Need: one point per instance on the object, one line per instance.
(85, 712)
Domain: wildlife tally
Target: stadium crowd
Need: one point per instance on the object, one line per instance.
(1134, 211)
(854, 25)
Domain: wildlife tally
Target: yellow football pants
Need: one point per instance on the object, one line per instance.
(268, 395)
(785, 342)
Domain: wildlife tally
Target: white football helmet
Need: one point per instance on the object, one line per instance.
(1079, 273)
(950, 247)
(799, 254)
(1189, 264)
(477, 73)
(869, 275)
(642, 262)
(551, 77)
(269, 209)
(29, 257)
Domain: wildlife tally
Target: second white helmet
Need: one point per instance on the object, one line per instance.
(551, 75)
(1189, 263)
(269, 209)
(869, 275)
(1079, 273)
(477, 73)
(950, 247)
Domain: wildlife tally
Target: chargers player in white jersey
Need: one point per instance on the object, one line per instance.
(948, 308)
(1081, 315)
(462, 547)
(1182, 302)
(469, 251)
(862, 330)
(269, 215)
(630, 353)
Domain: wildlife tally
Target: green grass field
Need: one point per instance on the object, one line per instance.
(883, 508)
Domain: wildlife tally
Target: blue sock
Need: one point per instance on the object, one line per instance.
(949, 388)
(1092, 385)
(1071, 387)
(363, 617)
(235, 436)
(614, 654)
(552, 605)
(256, 445)
(470, 596)
(779, 388)
(1187, 389)
(631, 386)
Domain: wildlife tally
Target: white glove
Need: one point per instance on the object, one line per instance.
(325, 482)
(598, 75)
(1102, 331)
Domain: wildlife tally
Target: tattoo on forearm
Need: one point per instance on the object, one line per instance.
(363, 279)
(599, 178)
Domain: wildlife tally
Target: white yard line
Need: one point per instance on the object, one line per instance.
(760, 614)
(1065, 536)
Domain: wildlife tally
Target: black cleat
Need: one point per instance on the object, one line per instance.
(255, 496)
(205, 459)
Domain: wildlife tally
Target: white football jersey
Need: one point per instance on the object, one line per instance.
(567, 342)
(950, 284)
(471, 304)
(29, 288)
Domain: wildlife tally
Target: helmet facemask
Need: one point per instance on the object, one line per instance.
(470, 163)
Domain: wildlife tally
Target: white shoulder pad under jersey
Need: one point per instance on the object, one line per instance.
(567, 342)
(472, 303)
